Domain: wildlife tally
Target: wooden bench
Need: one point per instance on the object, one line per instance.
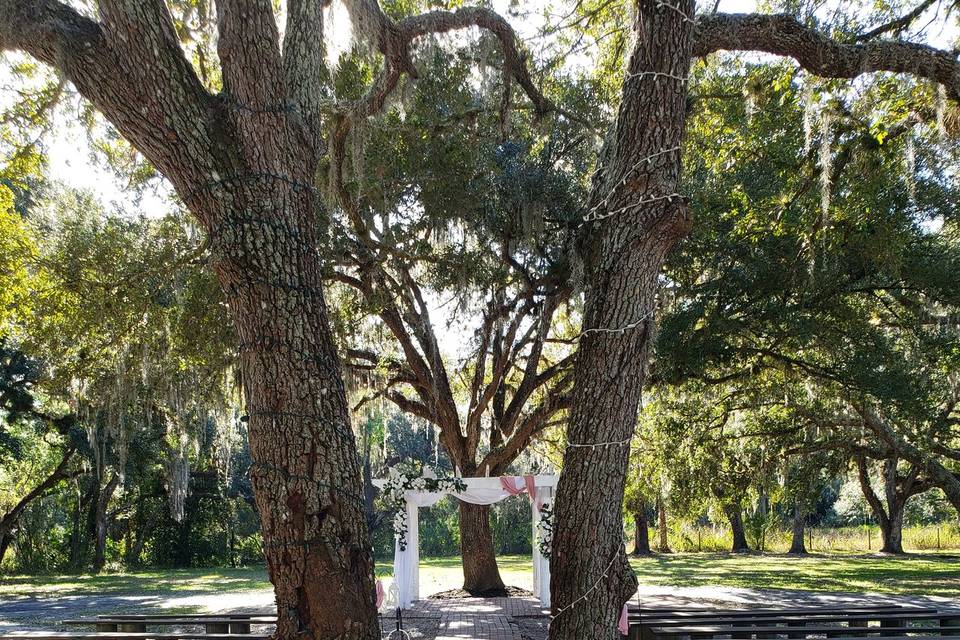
(742, 624)
(211, 624)
(131, 616)
(649, 614)
(899, 616)
(72, 635)
(801, 609)
(793, 632)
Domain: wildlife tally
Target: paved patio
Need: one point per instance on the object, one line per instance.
(478, 618)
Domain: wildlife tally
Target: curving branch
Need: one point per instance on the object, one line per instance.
(897, 25)
(515, 62)
(393, 39)
(784, 35)
(53, 33)
(935, 472)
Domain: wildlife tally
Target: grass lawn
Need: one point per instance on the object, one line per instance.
(927, 574)
(159, 581)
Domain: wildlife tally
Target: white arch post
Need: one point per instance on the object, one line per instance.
(406, 561)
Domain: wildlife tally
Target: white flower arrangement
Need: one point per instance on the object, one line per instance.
(399, 482)
(545, 530)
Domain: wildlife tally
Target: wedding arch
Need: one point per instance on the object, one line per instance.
(428, 490)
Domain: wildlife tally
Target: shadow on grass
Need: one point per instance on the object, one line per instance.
(159, 581)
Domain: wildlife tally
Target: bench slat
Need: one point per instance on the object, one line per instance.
(168, 621)
(759, 613)
(132, 616)
(813, 629)
(69, 635)
(898, 616)
(804, 607)
(786, 610)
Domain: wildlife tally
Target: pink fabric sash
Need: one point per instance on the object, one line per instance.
(624, 624)
(532, 490)
(380, 593)
(513, 486)
(509, 484)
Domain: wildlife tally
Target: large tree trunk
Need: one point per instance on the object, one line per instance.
(892, 532)
(735, 515)
(8, 521)
(5, 541)
(641, 532)
(102, 522)
(889, 518)
(78, 542)
(663, 545)
(635, 220)
(897, 497)
(481, 576)
(798, 546)
(306, 472)
(244, 162)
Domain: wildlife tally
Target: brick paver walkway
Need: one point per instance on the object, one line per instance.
(480, 618)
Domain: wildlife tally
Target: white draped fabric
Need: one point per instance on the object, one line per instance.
(406, 562)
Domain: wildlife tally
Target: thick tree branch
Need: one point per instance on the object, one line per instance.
(531, 380)
(819, 54)
(61, 472)
(249, 49)
(500, 458)
(52, 32)
(305, 72)
(934, 470)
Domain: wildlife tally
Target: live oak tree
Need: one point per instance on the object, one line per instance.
(243, 160)
(897, 489)
(767, 290)
(486, 237)
(626, 250)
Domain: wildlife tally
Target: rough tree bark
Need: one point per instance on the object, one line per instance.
(243, 162)
(797, 545)
(481, 576)
(635, 219)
